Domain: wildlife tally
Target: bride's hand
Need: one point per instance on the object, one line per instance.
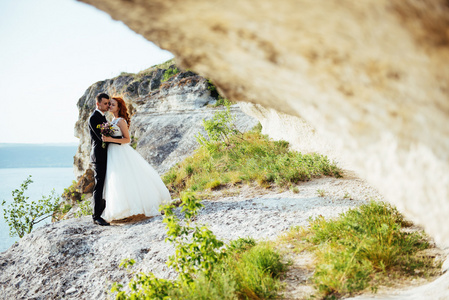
(106, 138)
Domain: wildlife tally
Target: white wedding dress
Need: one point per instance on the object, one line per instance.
(132, 186)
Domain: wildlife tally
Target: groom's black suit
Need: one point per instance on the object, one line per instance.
(98, 158)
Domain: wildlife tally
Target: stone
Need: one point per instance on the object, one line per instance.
(86, 182)
(156, 80)
(132, 90)
(144, 86)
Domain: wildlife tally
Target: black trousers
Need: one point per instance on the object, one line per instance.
(99, 202)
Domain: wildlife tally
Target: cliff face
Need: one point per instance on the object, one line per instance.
(301, 136)
(166, 115)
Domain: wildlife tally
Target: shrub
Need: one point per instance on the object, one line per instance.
(21, 216)
(72, 192)
(218, 129)
(227, 156)
(256, 272)
(207, 269)
(164, 65)
(241, 244)
(295, 190)
(65, 209)
(222, 101)
(217, 286)
(362, 248)
(170, 73)
(201, 251)
(250, 157)
(210, 86)
(85, 207)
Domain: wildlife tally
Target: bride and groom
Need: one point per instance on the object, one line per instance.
(125, 184)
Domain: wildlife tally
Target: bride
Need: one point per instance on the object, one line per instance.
(132, 186)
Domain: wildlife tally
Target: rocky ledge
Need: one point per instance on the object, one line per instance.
(75, 259)
(166, 115)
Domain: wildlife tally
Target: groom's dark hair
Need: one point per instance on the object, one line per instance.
(101, 96)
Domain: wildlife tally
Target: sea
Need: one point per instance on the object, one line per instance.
(50, 167)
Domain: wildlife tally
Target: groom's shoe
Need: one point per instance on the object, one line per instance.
(101, 222)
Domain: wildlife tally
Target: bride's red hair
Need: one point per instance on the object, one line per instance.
(122, 110)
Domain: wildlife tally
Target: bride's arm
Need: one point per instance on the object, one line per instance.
(125, 132)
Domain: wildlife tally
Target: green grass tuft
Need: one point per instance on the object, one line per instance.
(249, 271)
(250, 157)
(169, 73)
(363, 248)
(164, 65)
(256, 272)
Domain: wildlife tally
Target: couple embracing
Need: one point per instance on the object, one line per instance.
(125, 184)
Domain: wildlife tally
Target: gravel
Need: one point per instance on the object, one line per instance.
(75, 259)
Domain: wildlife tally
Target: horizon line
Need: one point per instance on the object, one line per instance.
(39, 144)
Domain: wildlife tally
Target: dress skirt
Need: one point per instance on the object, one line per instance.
(132, 185)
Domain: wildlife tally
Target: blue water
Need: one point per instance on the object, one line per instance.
(44, 180)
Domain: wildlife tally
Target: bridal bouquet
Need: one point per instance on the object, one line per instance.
(106, 129)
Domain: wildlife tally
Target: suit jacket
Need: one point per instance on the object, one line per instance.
(98, 154)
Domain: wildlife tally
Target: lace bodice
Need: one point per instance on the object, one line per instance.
(117, 130)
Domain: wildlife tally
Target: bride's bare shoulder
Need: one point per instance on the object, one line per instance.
(121, 121)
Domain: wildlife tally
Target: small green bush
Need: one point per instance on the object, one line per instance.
(218, 286)
(65, 209)
(170, 73)
(196, 247)
(21, 215)
(72, 192)
(164, 65)
(229, 157)
(85, 208)
(189, 170)
(222, 101)
(321, 193)
(256, 272)
(213, 185)
(219, 129)
(241, 245)
(246, 158)
(207, 269)
(362, 248)
(295, 190)
(211, 87)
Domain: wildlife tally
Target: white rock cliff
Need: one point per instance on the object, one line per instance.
(166, 116)
(370, 76)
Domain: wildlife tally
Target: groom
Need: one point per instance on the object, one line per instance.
(98, 156)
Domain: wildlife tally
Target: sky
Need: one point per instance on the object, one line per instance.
(51, 51)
